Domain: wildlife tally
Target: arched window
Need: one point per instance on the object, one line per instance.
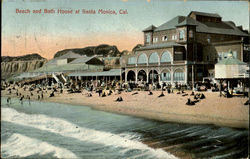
(142, 59)
(131, 75)
(165, 75)
(166, 57)
(179, 75)
(131, 60)
(153, 58)
(142, 75)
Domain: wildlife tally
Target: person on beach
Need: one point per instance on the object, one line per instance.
(119, 99)
(135, 93)
(100, 92)
(103, 94)
(196, 96)
(202, 96)
(8, 100)
(169, 91)
(189, 102)
(247, 102)
(110, 92)
(21, 99)
(150, 93)
(184, 95)
(89, 95)
(28, 97)
(52, 94)
(163, 85)
(161, 95)
(91, 88)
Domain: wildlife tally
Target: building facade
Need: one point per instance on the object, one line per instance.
(185, 49)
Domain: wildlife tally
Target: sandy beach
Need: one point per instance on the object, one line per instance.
(221, 111)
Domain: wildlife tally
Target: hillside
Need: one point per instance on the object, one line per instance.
(103, 50)
(15, 65)
(27, 57)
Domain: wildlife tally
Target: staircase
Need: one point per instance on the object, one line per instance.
(63, 78)
(56, 78)
(59, 78)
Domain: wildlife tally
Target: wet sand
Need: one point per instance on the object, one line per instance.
(213, 109)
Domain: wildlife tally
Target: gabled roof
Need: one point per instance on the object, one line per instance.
(231, 61)
(223, 27)
(205, 14)
(171, 23)
(69, 54)
(188, 21)
(226, 28)
(82, 59)
(150, 28)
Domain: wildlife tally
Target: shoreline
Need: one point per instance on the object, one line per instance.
(228, 112)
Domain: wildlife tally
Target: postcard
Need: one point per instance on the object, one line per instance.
(125, 79)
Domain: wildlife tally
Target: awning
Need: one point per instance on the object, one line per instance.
(112, 72)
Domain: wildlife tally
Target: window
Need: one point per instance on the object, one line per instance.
(220, 56)
(148, 38)
(153, 58)
(235, 54)
(155, 40)
(182, 35)
(166, 76)
(131, 60)
(179, 75)
(142, 59)
(208, 38)
(174, 37)
(166, 57)
(165, 38)
(178, 56)
(191, 34)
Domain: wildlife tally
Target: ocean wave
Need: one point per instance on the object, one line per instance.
(68, 129)
(18, 145)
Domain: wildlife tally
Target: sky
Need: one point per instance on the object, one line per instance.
(47, 33)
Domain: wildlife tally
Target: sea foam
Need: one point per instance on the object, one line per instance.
(18, 145)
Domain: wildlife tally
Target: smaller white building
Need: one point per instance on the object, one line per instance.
(231, 68)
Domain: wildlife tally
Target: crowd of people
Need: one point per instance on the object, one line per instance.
(103, 88)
